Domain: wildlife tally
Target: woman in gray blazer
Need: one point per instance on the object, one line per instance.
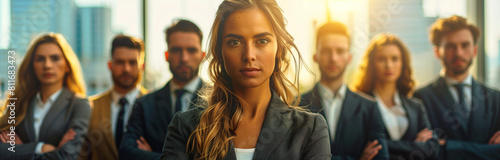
(249, 114)
(386, 74)
(47, 116)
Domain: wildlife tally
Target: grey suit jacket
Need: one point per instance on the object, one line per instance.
(286, 133)
(68, 111)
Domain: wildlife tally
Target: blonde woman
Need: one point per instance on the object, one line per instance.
(249, 113)
(386, 74)
(51, 114)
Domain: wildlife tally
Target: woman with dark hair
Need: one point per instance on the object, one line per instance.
(386, 74)
(51, 113)
(249, 114)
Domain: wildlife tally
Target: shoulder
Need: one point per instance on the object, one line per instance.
(188, 119)
(301, 117)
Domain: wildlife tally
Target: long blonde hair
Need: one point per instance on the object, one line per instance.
(28, 85)
(218, 123)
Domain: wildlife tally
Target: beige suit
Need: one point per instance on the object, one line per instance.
(100, 143)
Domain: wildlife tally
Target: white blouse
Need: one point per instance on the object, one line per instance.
(395, 119)
(244, 154)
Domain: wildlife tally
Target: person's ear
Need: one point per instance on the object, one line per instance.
(436, 52)
(204, 54)
(315, 57)
(349, 57)
(166, 56)
(475, 50)
(109, 64)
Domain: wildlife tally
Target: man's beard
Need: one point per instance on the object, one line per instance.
(185, 77)
(117, 82)
(455, 71)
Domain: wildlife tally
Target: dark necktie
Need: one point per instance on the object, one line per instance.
(119, 122)
(464, 112)
(178, 101)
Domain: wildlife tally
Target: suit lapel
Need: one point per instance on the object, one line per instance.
(55, 111)
(196, 97)
(105, 114)
(317, 106)
(28, 122)
(479, 116)
(163, 104)
(274, 128)
(412, 117)
(349, 106)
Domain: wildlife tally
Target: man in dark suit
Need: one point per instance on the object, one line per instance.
(152, 113)
(355, 124)
(463, 110)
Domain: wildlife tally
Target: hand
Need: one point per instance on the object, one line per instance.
(47, 148)
(495, 139)
(424, 135)
(371, 150)
(142, 144)
(442, 142)
(68, 136)
(4, 138)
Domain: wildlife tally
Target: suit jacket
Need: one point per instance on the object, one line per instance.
(468, 142)
(100, 142)
(286, 133)
(360, 122)
(68, 112)
(150, 118)
(406, 147)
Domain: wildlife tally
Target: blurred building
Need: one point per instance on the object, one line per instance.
(406, 19)
(93, 25)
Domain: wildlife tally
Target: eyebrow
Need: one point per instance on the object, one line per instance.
(255, 36)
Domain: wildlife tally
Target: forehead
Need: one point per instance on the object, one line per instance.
(460, 36)
(333, 40)
(48, 49)
(125, 52)
(184, 39)
(388, 49)
(247, 22)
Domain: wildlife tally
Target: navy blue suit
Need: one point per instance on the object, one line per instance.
(463, 142)
(359, 123)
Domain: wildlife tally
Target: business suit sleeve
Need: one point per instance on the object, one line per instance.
(22, 151)
(318, 145)
(469, 150)
(174, 147)
(376, 131)
(79, 123)
(410, 148)
(128, 148)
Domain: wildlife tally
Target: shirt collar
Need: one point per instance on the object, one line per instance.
(190, 86)
(327, 93)
(450, 81)
(52, 98)
(130, 96)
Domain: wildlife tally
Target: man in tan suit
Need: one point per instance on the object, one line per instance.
(111, 109)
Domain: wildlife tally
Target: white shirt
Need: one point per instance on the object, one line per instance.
(332, 103)
(131, 96)
(244, 154)
(186, 97)
(40, 111)
(454, 93)
(395, 119)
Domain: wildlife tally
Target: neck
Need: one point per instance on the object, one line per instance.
(334, 84)
(47, 90)
(122, 90)
(181, 84)
(385, 91)
(460, 77)
(257, 99)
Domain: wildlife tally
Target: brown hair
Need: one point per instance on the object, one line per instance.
(182, 25)
(28, 85)
(444, 26)
(333, 28)
(218, 123)
(127, 41)
(366, 73)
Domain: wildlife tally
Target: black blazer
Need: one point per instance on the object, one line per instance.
(406, 147)
(68, 112)
(463, 142)
(286, 133)
(359, 123)
(150, 118)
